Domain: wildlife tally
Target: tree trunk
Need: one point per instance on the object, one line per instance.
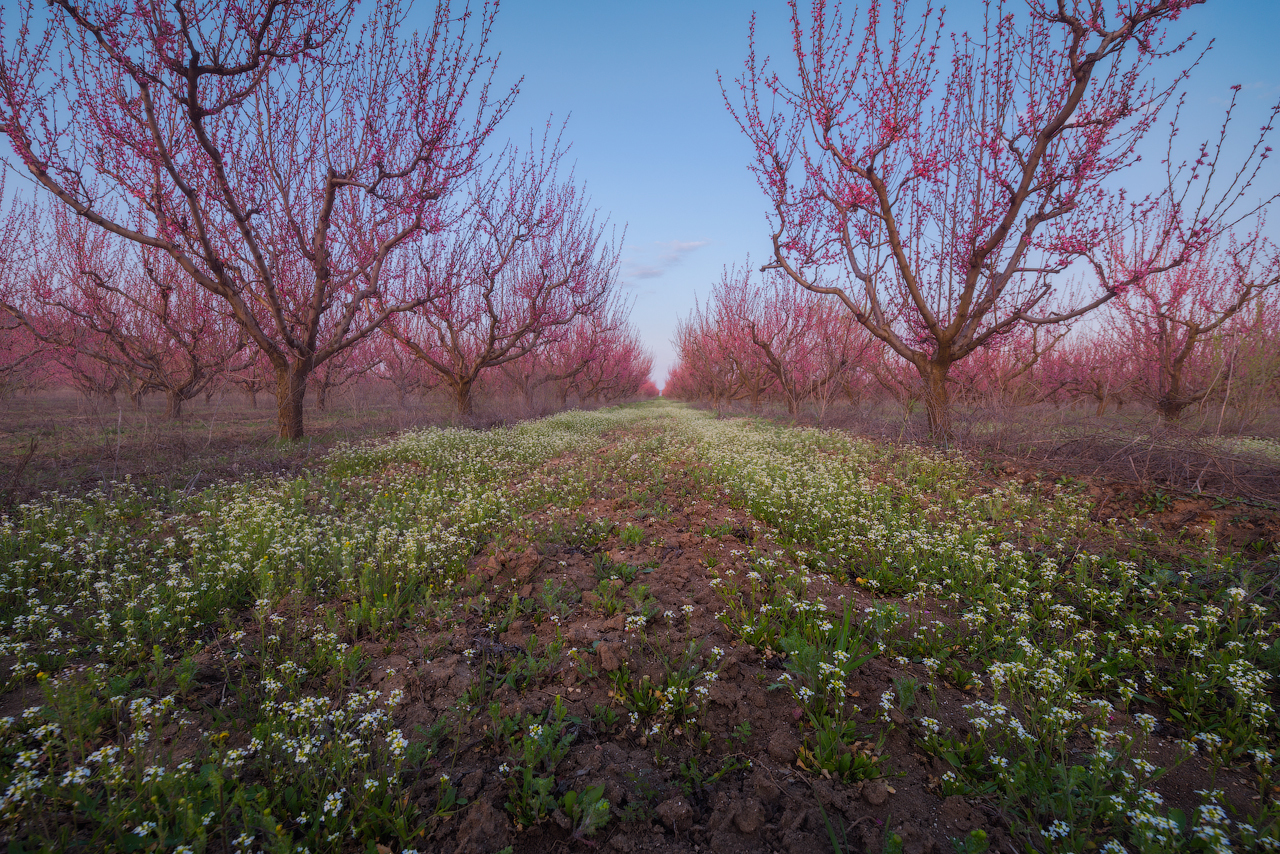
(291, 390)
(173, 406)
(1173, 401)
(1170, 408)
(466, 403)
(937, 400)
(322, 396)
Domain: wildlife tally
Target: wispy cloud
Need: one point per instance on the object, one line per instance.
(1258, 90)
(652, 260)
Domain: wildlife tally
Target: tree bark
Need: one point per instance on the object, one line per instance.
(937, 399)
(1173, 399)
(465, 400)
(173, 406)
(1171, 406)
(291, 391)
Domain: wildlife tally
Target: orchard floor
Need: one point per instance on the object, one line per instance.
(658, 785)
(773, 804)
(622, 620)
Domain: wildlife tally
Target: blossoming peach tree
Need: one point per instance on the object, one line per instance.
(942, 191)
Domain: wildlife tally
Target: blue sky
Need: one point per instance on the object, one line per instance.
(659, 153)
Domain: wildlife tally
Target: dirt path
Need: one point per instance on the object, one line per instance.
(721, 776)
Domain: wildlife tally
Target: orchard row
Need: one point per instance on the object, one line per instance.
(1178, 342)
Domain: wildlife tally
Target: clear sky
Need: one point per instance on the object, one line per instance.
(659, 153)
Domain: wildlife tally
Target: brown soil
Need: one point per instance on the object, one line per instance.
(775, 805)
(1186, 523)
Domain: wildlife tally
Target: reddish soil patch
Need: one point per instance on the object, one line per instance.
(1186, 523)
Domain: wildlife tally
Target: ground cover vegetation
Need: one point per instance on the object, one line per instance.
(645, 628)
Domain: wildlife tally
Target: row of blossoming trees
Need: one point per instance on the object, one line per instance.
(287, 195)
(942, 210)
(1167, 346)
